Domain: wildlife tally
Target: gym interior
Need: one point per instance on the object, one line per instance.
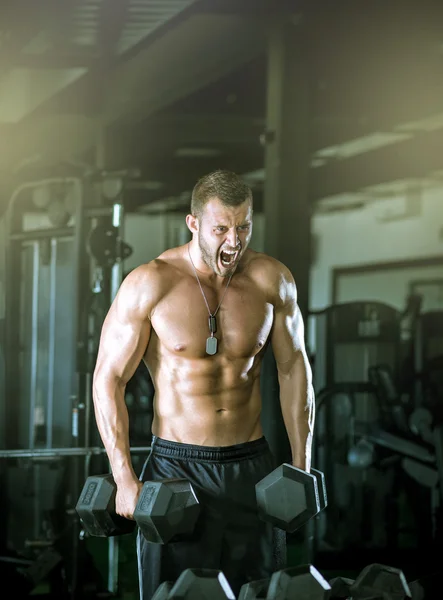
(110, 111)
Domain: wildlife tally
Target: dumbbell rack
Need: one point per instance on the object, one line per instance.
(38, 455)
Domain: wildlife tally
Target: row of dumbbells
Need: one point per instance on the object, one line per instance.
(167, 510)
(375, 582)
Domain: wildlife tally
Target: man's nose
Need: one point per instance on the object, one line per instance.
(233, 238)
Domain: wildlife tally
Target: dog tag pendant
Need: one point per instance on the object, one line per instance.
(211, 345)
(212, 325)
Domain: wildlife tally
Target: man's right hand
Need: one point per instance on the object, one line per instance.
(127, 497)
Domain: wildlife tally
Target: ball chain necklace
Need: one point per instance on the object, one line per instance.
(211, 342)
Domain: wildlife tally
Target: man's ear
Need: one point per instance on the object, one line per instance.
(192, 223)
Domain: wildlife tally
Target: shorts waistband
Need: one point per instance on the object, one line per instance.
(161, 447)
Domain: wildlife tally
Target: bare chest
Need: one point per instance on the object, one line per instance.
(243, 321)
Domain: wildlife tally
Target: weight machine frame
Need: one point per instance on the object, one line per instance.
(80, 398)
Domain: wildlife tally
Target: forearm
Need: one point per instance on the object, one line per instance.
(298, 410)
(113, 425)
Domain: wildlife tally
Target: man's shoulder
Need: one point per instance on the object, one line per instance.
(156, 277)
(266, 267)
(145, 286)
(158, 269)
(273, 276)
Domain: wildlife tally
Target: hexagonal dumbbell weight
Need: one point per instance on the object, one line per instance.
(340, 587)
(96, 508)
(294, 583)
(377, 580)
(163, 590)
(289, 497)
(303, 583)
(255, 590)
(166, 509)
(201, 584)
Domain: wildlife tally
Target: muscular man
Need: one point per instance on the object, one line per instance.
(206, 374)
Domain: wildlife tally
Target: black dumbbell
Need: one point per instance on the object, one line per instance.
(201, 584)
(377, 580)
(303, 583)
(163, 590)
(288, 497)
(340, 587)
(166, 509)
(254, 590)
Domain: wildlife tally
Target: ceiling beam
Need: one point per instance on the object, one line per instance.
(23, 20)
(20, 22)
(112, 19)
(55, 60)
(203, 49)
(414, 158)
(180, 62)
(251, 8)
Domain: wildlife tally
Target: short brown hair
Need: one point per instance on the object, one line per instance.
(227, 186)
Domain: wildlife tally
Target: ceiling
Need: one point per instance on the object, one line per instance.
(176, 88)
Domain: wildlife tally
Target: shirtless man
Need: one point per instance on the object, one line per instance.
(207, 405)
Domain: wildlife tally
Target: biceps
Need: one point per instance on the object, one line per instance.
(122, 346)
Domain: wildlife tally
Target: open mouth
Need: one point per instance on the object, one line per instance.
(228, 258)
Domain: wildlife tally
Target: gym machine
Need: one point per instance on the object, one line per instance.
(378, 441)
(350, 337)
(64, 264)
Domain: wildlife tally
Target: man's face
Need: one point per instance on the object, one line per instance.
(223, 235)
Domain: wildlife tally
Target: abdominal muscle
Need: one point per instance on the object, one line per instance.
(207, 402)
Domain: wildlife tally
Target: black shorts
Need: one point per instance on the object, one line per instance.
(229, 534)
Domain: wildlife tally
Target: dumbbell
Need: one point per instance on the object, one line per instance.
(254, 590)
(341, 587)
(380, 581)
(304, 582)
(163, 590)
(196, 584)
(166, 509)
(421, 422)
(289, 497)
